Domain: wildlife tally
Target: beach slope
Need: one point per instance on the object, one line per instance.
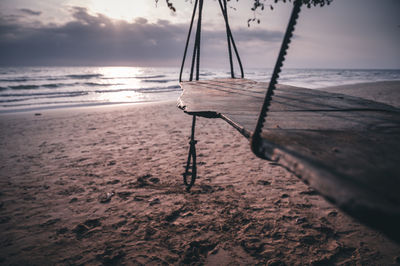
(104, 186)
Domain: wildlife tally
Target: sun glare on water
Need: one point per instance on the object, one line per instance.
(122, 9)
(125, 76)
(120, 72)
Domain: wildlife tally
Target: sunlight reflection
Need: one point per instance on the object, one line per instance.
(126, 77)
(121, 72)
(121, 97)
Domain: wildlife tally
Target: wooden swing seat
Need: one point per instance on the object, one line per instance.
(346, 147)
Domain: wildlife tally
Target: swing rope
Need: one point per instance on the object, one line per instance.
(256, 141)
(198, 7)
(191, 168)
(228, 37)
(231, 40)
(196, 50)
(187, 40)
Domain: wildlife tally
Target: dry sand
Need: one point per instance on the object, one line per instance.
(56, 167)
(383, 91)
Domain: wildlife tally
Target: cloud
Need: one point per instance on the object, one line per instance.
(99, 40)
(30, 12)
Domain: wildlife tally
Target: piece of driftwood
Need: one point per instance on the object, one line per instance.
(345, 147)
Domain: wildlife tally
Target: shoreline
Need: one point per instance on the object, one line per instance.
(82, 107)
(388, 93)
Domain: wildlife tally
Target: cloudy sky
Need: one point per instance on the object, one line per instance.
(346, 34)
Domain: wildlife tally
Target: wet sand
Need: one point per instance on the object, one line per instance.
(57, 167)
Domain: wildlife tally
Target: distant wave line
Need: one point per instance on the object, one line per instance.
(62, 77)
(44, 94)
(47, 103)
(84, 76)
(24, 87)
(159, 80)
(57, 85)
(89, 76)
(44, 97)
(15, 80)
(150, 77)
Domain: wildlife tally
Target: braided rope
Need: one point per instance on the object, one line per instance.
(229, 33)
(198, 41)
(196, 48)
(188, 40)
(228, 37)
(256, 138)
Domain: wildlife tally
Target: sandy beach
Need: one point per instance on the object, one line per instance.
(57, 168)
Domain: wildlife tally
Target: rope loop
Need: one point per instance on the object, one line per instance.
(191, 167)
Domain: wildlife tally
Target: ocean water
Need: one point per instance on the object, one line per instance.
(35, 88)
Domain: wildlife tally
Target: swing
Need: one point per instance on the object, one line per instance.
(346, 148)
